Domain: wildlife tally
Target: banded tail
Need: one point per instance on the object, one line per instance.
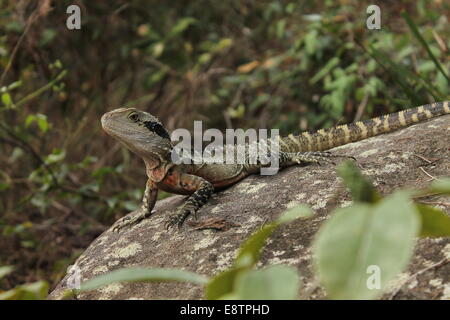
(325, 139)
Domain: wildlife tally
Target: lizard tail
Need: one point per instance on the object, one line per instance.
(325, 139)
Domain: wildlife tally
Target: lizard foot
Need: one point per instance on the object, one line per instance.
(177, 219)
(128, 221)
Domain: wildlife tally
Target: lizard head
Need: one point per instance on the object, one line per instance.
(139, 131)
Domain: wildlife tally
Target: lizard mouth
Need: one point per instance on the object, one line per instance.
(107, 120)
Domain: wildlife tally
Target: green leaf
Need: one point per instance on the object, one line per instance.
(222, 284)
(311, 41)
(280, 28)
(56, 156)
(33, 291)
(40, 119)
(276, 282)
(362, 190)
(42, 122)
(29, 120)
(7, 100)
(442, 84)
(300, 211)
(363, 236)
(5, 270)
(435, 223)
(180, 26)
(142, 274)
(325, 70)
(12, 86)
(440, 186)
(250, 251)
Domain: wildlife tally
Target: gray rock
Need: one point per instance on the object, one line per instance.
(391, 161)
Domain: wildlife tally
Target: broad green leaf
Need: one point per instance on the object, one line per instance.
(222, 284)
(276, 282)
(142, 274)
(250, 251)
(440, 186)
(362, 190)
(229, 296)
(361, 237)
(37, 290)
(33, 291)
(299, 211)
(435, 223)
(9, 295)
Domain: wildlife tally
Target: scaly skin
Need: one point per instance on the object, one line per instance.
(144, 135)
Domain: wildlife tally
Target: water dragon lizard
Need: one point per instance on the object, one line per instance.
(143, 134)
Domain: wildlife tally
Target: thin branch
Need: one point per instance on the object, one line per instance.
(433, 266)
(432, 178)
(42, 89)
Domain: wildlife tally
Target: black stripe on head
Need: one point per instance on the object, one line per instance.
(157, 128)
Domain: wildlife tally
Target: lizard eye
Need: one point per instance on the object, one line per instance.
(133, 116)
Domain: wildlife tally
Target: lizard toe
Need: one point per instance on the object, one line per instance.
(177, 219)
(127, 222)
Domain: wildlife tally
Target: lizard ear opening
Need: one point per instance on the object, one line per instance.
(133, 116)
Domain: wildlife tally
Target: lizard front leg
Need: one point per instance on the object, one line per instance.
(148, 202)
(202, 192)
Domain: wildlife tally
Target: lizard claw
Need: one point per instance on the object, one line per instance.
(128, 221)
(176, 219)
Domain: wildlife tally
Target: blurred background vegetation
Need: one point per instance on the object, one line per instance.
(292, 65)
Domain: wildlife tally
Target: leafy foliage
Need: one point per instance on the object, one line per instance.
(231, 64)
(137, 274)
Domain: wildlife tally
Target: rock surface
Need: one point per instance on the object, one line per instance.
(396, 160)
